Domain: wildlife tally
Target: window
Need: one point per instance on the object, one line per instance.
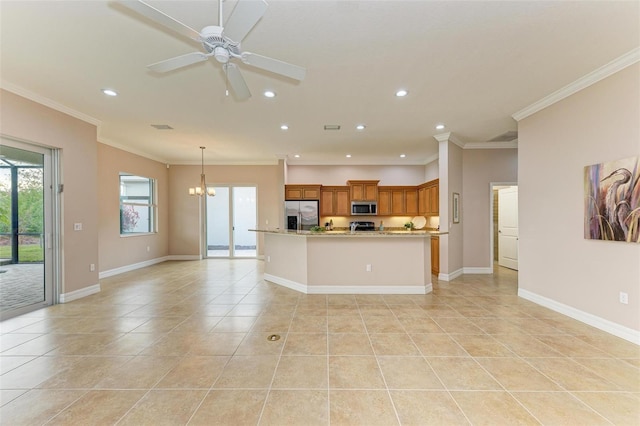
(137, 204)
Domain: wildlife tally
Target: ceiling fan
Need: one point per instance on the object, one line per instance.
(222, 42)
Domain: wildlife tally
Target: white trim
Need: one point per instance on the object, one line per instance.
(132, 267)
(20, 91)
(130, 149)
(477, 270)
(451, 276)
(349, 289)
(492, 145)
(618, 330)
(183, 257)
(79, 294)
(293, 285)
(593, 77)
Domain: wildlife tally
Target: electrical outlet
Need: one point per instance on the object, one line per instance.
(148, 249)
(268, 259)
(77, 226)
(624, 298)
(92, 267)
(368, 268)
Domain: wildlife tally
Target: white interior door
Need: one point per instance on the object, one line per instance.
(508, 227)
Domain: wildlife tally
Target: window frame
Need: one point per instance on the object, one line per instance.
(136, 201)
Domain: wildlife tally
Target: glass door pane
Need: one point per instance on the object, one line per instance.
(218, 223)
(25, 219)
(244, 218)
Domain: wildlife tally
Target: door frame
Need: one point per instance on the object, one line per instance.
(492, 186)
(52, 223)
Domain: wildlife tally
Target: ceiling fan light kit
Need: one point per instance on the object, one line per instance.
(222, 42)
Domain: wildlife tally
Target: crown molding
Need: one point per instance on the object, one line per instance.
(449, 137)
(128, 149)
(593, 77)
(492, 145)
(21, 91)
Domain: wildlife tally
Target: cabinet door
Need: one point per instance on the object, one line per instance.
(370, 191)
(411, 202)
(357, 192)
(311, 193)
(423, 194)
(397, 202)
(293, 193)
(384, 202)
(327, 202)
(342, 205)
(434, 202)
(435, 255)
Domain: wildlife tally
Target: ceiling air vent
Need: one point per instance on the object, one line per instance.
(162, 127)
(332, 127)
(506, 137)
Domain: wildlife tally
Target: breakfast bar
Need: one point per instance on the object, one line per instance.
(346, 262)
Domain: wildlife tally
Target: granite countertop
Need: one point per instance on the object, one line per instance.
(342, 233)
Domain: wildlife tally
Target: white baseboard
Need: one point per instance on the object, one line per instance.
(78, 294)
(182, 257)
(132, 267)
(451, 276)
(477, 270)
(618, 330)
(350, 289)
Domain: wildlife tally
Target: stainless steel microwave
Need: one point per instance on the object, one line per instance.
(368, 208)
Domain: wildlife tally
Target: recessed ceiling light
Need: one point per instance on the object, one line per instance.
(109, 92)
(284, 127)
(360, 127)
(269, 94)
(297, 155)
(400, 93)
(402, 155)
(348, 155)
(440, 126)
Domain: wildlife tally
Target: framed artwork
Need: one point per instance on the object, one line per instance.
(456, 207)
(612, 201)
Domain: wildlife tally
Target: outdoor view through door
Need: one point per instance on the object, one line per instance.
(24, 223)
(230, 215)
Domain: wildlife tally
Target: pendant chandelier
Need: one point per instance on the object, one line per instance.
(202, 189)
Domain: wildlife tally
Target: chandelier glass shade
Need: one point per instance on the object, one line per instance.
(202, 189)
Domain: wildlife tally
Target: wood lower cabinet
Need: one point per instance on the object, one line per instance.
(435, 255)
(334, 201)
(302, 192)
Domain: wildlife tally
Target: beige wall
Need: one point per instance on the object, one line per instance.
(599, 123)
(339, 175)
(184, 210)
(481, 167)
(117, 251)
(31, 122)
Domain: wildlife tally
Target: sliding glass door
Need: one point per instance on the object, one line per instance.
(230, 215)
(25, 228)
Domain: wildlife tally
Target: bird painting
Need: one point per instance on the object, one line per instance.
(612, 201)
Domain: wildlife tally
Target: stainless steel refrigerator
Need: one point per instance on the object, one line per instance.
(301, 215)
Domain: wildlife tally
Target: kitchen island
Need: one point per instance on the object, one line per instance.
(349, 262)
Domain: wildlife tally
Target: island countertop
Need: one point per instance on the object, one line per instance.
(346, 233)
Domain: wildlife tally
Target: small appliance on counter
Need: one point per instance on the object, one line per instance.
(362, 226)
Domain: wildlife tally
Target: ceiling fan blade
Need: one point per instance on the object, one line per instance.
(274, 65)
(160, 17)
(237, 82)
(178, 62)
(246, 14)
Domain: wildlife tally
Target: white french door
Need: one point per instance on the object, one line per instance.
(230, 215)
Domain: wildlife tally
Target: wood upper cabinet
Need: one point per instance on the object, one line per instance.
(411, 201)
(334, 201)
(302, 192)
(397, 201)
(428, 198)
(363, 190)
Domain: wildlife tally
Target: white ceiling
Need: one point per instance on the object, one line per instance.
(470, 65)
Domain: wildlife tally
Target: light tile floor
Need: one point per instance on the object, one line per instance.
(186, 343)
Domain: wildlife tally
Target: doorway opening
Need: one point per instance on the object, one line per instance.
(26, 228)
(504, 225)
(230, 215)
